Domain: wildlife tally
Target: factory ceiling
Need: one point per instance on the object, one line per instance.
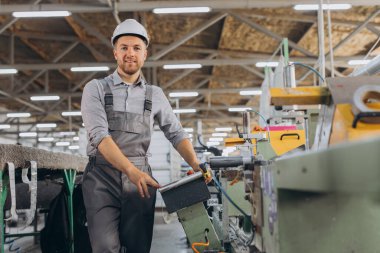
(228, 42)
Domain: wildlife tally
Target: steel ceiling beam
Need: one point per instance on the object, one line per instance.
(184, 74)
(341, 62)
(187, 37)
(150, 5)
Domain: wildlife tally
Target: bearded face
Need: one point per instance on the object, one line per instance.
(130, 53)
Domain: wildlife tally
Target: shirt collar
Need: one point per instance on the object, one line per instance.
(141, 82)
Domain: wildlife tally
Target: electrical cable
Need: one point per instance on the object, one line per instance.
(310, 68)
(265, 120)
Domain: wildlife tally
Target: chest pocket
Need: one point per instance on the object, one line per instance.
(126, 122)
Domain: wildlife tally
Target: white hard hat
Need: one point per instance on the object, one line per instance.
(130, 27)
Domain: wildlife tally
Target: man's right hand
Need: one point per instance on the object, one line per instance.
(141, 180)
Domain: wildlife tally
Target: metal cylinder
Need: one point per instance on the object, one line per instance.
(225, 161)
(246, 123)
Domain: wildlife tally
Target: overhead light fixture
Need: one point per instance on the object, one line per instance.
(72, 113)
(44, 98)
(358, 62)
(5, 126)
(28, 134)
(40, 14)
(182, 66)
(219, 134)
(8, 71)
(239, 109)
(75, 138)
(184, 110)
(183, 94)
(262, 64)
(213, 143)
(216, 139)
(250, 92)
(74, 147)
(67, 133)
(46, 139)
(46, 125)
(62, 143)
(18, 115)
(223, 129)
(181, 10)
(315, 7)
(86, 69)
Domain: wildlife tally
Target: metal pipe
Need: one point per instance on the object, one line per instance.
(321, 39)
(373, 67)
(246, 123)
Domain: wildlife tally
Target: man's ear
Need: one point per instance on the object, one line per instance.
(114, 54)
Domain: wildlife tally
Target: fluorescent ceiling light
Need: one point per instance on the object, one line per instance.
(46, 139)
(62, 143)
(73, 113)
(212, 143)
(250, 92)
(183, 94)
(184, 110)
(76, 138)
(74, 147)
(188, 130)
(67, 133)
(358, 62)
(315, 7)
(40, 14)
(239, 109)
(28, 134)
(263, 64)
(8, 71)
(46, 125)
(181, 10)
(223, 129)
(216, 139)
(5, 126)
(44, 98)
(18, 115)
(182, 66)
(219, 134)
(84, 69)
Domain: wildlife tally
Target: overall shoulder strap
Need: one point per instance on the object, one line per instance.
(108, 96)
(148, 100)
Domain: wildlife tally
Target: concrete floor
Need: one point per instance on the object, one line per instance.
(168, 238)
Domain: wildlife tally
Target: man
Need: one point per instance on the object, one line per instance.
(118, 112)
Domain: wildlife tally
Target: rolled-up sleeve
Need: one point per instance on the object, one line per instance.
(93, 113)
(167, 120)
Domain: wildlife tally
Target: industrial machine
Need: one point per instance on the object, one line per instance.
(308, 186)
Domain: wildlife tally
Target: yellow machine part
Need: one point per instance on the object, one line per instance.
(300, 96)
(342, 129)
(281, 141)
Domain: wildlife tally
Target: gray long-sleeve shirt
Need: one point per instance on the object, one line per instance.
(126, 98)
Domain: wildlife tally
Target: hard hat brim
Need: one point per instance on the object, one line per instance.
(130, 34)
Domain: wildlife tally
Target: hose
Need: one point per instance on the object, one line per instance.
(220, 188)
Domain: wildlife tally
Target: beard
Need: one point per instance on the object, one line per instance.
(130, 68)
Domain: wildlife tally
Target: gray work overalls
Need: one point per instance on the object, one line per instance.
(119, 220)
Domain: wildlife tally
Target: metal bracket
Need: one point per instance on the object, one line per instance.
(30, 213)
(12, 185)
